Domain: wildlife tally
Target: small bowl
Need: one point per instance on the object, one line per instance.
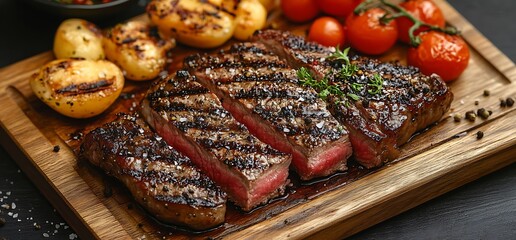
(91, 12)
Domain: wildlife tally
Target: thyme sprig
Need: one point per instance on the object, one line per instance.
(395, 11)
(348, 69)
(375, 84)
(323, 87)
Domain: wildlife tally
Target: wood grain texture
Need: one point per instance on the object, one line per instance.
(428, 168)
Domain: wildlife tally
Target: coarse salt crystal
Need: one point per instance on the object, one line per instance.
(320, 124)
(13, 205)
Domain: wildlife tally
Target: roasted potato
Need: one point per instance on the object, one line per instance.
(196, 23)
(269, 4)
(77, 38)
(136, 48)
(78, 88)
(251, 15)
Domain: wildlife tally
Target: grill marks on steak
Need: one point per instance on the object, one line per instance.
(378, 123)
(162, 180)
(190, 118)
(263, 92)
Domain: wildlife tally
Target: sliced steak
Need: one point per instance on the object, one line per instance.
(163, 181)
(379, 119)
(262, 92)
(190, 118)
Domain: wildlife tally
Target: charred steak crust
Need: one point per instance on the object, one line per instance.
(191, 118)
(378, 123)
(263, 92)
(162, 180)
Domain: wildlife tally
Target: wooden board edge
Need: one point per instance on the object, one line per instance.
(29, 148)
(399, 179)
(479, 42)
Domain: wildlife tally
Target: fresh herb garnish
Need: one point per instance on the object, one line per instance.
(375, 84)
(347, 69)
(323, 87)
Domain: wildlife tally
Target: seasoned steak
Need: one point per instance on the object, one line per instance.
(162, 180)
(382, 105)
(262, 92)
(191, 118)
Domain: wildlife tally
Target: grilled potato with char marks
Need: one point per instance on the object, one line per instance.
(137, 48)
(78, 88)
(78, 38)
(196, 23)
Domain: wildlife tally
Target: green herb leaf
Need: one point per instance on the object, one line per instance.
(375, 84)
(353, 96)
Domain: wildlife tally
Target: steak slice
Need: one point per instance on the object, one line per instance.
(263, 93)
(379, 120)
(191, 119)
(162, 180)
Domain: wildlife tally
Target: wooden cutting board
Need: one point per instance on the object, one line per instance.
(444, 157)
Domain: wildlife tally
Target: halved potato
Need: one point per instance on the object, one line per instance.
(78, 38)
(251, 15)
(136, 48)
(196, 23)
(78, 88)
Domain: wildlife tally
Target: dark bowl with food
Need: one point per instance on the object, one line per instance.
(91, 9)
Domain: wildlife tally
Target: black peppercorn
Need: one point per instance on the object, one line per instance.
(483, 113)
(502, 103)
(56, 148)
(471, 116)
(480, 134)
(487, 93)
(509, 101)
(457, 117)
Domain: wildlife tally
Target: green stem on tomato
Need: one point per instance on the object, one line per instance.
(401, 12)
(415, 40)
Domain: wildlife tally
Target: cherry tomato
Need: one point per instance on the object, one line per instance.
(300, 10)
(424, 10)
(368, 35)
(440, 53)
(338, 8)
(327, 31)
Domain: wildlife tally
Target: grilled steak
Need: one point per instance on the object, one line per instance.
(163, 181)
(383, 104)
(191, 118)
(262, 92)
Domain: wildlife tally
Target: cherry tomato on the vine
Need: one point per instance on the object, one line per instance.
(338, 8)
(367, 34)
(300, 10)
(424, 10)
(327, 31)
(440, 53)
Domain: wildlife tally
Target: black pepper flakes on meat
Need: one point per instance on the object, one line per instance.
(480, 134)
(509, 101)
(56, 148)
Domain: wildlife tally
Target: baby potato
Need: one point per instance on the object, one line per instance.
(78, 38)
(251, 15)
(139, 51)
(196, 23)
(269, 4)
(78, 88)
